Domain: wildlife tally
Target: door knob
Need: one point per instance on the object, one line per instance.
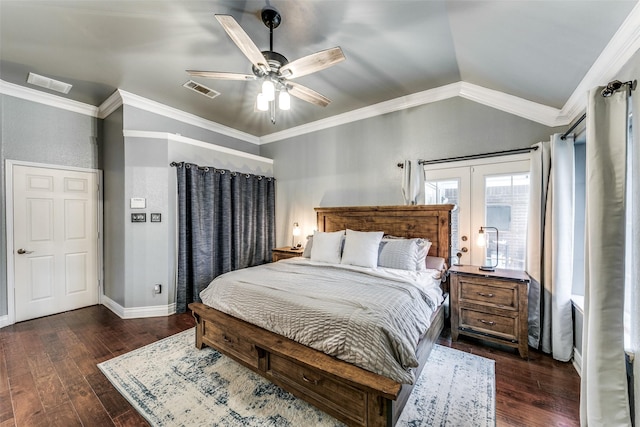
(464, 249)
(22, 251)
(464, 238)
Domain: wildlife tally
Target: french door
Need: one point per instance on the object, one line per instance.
(487, 193)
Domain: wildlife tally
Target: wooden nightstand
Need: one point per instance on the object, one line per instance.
(490, 305)
(286, 252)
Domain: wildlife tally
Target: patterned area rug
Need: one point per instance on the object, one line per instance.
(171, 383)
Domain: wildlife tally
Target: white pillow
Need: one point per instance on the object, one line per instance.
(424, 246)
(307, 248)
(404, 254)
(327, 246)
(361, 248)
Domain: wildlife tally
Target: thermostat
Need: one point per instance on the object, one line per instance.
(138, 203)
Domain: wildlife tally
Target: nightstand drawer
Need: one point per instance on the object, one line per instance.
(502, 326)
(494, 293)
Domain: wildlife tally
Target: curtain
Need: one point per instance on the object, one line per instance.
(634, 306)
(604, 396)
(226, 221)
(550, 247)
(412, 182)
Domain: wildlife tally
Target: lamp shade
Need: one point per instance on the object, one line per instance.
(262, 104)
(284, 100)
(481, 240)
(296, 229)
(269, 90)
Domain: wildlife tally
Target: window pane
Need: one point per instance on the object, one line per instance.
(441, 193)
(507, 204)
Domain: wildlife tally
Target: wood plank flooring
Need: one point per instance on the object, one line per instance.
(48, 373)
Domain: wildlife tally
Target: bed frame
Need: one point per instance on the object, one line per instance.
(351, 394)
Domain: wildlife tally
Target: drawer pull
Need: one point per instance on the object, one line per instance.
(307, 380)
(490, 323)
(224, 337)
(482, 294)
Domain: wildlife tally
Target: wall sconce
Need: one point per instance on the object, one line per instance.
(295, 233)
(482, 242)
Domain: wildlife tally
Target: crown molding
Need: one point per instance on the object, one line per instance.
(137, 101)
(397, 104)
(128, 133)
(492, 98)
(41, 97)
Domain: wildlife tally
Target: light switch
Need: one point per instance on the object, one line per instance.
(138, 203)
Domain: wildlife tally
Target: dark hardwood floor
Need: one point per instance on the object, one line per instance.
(48, 373)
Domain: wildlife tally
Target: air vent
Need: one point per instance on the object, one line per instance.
(203, 90)
(47, 83)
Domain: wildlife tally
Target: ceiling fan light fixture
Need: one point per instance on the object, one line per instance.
(284, 100)
(261, 103)
(269, 90)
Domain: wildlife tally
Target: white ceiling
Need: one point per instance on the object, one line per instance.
(537, 51)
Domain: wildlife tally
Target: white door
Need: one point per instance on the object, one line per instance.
(55, 240)
(452, 185)
(489, 192)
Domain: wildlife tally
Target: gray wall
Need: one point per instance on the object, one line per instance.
(355, 164)
(140, 255)
(34, 132)
(112, 164)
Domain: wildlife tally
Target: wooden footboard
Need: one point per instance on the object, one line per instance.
(351, 394)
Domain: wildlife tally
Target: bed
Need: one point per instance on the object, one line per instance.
(353, 395)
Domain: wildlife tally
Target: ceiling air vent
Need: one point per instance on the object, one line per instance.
(203, 90)
(47, 83)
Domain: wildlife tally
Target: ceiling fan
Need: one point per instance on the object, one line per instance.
(273, 67)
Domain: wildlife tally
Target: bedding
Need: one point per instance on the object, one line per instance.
(372, 318)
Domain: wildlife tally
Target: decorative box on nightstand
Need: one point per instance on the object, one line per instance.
(286, 252)
(490, 305)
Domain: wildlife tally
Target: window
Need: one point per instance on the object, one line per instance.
(491, 192)
(506, 208)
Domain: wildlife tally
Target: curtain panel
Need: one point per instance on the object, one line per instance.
(550, 247)
(226, 221)
(604, 395)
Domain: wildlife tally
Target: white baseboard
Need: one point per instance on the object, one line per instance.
(577, 360)
(138, 312)
(4, 321)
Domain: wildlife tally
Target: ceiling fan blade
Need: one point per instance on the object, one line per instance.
(307, 94)
(244, 42)
(220, 75)
(312, 63)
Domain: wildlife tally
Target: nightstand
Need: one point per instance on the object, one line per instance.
(286, 252)
(490, 305)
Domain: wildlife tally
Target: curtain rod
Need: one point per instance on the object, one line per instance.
(476, 156)
(564, 135)
(610, 89)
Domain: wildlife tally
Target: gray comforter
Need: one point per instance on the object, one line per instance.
(372, 318)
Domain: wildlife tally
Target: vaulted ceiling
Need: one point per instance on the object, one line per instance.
(533, 53)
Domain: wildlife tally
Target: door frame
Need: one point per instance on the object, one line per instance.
(9, 164)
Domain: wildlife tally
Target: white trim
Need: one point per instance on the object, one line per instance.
(128, 133)
(577, 361)
(188, 118)
(4, 321)
(138, 312)
(9, 164)
(512, 104)
(41, 97)
(111, 104)
(530, 110)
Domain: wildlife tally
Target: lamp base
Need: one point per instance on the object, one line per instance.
(487, 268)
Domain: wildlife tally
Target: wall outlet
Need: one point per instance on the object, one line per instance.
(157, 289)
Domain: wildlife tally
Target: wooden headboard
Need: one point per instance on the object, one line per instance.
(427, 221)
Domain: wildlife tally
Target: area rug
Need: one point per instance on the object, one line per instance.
(172, 383)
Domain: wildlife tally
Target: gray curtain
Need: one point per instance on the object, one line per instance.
(604, 397)
(550, 245)
(226, 221)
